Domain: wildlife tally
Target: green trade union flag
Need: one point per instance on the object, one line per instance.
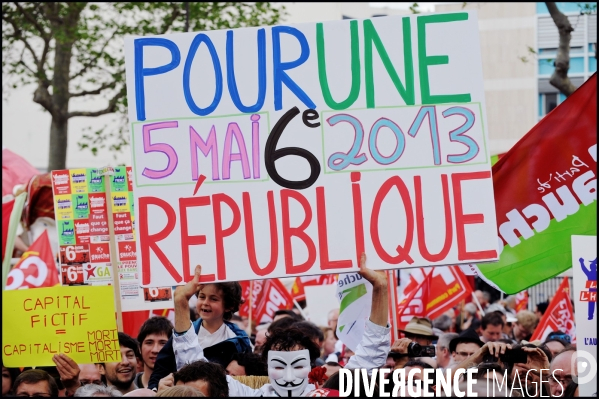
(545, 192)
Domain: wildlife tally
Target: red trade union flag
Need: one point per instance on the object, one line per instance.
(7, 208)
(268, 297)
(521, 301)
(558, 316)
(36, 268)
(442, 289)
(297, 291)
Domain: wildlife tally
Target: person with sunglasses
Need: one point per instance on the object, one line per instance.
(557, 342)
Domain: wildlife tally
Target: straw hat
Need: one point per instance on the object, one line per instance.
(420, 326)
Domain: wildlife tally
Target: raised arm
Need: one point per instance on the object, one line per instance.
(372, 351)
(186, 345)
(182, 295)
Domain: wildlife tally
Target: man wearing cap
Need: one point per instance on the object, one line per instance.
(464, 346)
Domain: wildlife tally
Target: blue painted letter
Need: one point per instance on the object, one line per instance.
(141, 72)
(218, 75)
(279, 68)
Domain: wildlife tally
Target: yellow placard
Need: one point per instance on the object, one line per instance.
(78, 181)
(63, 207)
(41, 322)
(120, 202)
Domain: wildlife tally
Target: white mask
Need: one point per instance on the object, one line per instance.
(288, 371)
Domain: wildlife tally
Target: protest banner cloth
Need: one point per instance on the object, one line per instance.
(36, 268)
(558, 316)
(266, 297)
(11, 215)
(546, 191)
(441, 289)
(584, 286)
(266, 152)
(354, 294)
(83, 224)
(42, 322)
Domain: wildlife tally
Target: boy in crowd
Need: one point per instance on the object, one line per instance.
(153, 335)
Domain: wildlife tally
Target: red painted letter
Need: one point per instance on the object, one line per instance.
(358, 219)
(150, 241)
(249, 235)
(473, 218)
(403, 253)
(187, 240)
(298, 232)
(420, 221)
(220, 233)
(323, 241)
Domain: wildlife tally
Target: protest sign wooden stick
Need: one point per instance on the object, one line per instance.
(392, 287)
(107, 172)
(250, 308)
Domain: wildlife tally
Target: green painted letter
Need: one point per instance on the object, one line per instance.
(370, 37)
(355, 68)
(424, 62)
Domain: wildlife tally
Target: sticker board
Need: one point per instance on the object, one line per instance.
(289, 150)
(81, 208)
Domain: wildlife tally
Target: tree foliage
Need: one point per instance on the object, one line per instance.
(75, 50)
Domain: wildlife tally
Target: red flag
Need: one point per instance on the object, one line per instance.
(36, 268)
(521, 301)
(297, 291)
(7, 208)
(442, 289)
(558, 316)
(268, 297)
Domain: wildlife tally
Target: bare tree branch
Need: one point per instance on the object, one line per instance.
(109, 109)
(18, 34)
(168, 22)
(107, 85)
(93, 61)
(43, 34)
(559, 79)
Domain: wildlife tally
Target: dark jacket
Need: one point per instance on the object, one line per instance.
(166, 363)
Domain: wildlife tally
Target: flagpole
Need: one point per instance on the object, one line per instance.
(251, 304)
(297, 305)
(392, 289)
(462, 314)
(107, 172)
(478, 304)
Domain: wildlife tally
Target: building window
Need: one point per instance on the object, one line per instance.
(548, 102)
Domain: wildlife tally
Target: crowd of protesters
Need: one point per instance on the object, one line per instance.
(208, 353)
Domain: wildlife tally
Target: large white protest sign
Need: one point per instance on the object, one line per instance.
(290, 150)
(584, 271)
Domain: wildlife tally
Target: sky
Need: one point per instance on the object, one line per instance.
(423, 7)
